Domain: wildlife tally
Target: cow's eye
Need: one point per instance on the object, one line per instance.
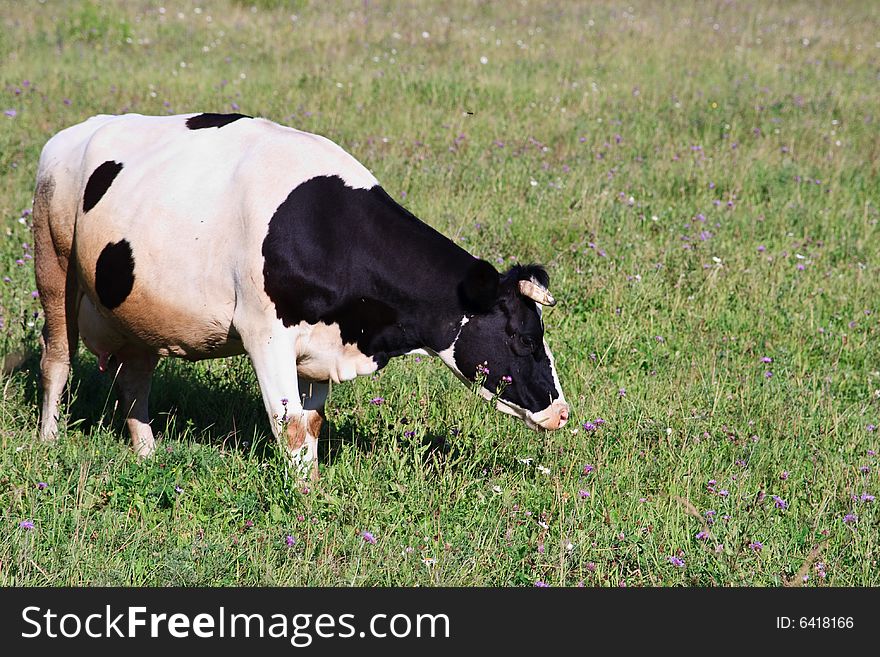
(527, 341)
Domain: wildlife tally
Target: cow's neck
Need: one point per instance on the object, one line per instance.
(418, 278)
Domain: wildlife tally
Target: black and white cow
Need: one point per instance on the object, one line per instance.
(209, 235)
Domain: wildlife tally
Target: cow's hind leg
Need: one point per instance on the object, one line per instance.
(58, 342)
(133, 378)
(56, 284)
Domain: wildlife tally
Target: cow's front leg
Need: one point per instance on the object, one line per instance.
(274, 359)
(312, 396)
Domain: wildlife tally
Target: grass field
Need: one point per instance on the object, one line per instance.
(701, 181)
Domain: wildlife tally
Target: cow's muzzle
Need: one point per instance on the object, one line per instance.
(553, 417)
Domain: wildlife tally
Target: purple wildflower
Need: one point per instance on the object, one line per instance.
(766, 359)
(588, 468)
(864, 469)
(622, 392)
(583, 494)
(784, 475)
(507, 379)
(871, 427)
(768, 374)
(541, 585)
(779, 503)
(702, 535)
(865, 497)
(756, 546)
(598, 421)
(377, 401)
(850, 518)
(368, 538)
(11, 113)
(589, 426)
(42, 485)
(289, 540)
(26, 524)
(677, 562)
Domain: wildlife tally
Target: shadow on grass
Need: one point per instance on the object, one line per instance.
(185, 402)
(336, 435)
(210, 405)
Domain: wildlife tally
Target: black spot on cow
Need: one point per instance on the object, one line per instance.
(114, 274)
(211, 120)
(355, 257)
(99, 182)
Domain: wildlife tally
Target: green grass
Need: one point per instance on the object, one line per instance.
(701, 181)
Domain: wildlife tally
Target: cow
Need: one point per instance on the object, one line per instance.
(211, 235)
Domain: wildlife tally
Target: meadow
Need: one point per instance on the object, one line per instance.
(701, 181)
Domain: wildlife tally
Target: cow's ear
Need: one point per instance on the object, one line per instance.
(479, 289)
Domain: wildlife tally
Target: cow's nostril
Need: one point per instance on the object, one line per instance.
(563, 414)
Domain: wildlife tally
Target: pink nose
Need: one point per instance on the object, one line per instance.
(563, 416)
(557, 416)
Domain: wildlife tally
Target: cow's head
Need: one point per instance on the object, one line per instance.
(501, 343)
